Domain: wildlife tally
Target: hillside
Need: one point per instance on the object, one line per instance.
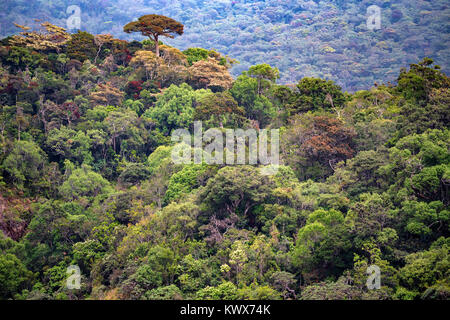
(88, 181)
(326, 39)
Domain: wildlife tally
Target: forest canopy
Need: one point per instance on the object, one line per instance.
(87, 178)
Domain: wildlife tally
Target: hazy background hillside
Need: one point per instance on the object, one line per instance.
(327, 39)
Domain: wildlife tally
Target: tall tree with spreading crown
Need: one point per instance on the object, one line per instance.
(154, 26)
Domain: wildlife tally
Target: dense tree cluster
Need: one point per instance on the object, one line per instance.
(86, 178)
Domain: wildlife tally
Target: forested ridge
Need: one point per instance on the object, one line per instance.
(87, 179)
(328, 39)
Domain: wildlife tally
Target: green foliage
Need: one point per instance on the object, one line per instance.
(194, 273)
(245, 91)
(86, 253)
(417, 118)
(224, 291)
(418, 82)
(81, 46)
(339, 290)
(14, 276)
(264, 74)
(235, 190)
(83, 182)
(134, 173)
(257, 292)
(159, 157)
(421, 217)
(171, 292)
(427, 271)
(264, 71)
(182, 182)
(174, 109)
(314, 94)
(24, 165)
(195, 54)
(219, 110)
(66, 143)
(20, 58)
(322, 241)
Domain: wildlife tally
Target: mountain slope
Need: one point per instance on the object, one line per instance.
(327, 39)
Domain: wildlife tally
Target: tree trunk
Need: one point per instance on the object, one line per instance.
(98, 53)
(114, 138)
(3, 139)
(157, 46)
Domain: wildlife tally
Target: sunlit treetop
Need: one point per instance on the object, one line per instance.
(52, 38)
(154, 26)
